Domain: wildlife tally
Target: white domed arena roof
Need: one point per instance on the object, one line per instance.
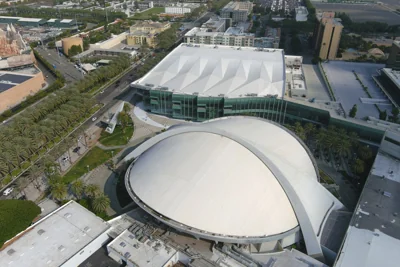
(233, 178)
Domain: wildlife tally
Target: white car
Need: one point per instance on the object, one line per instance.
(8, 191)
(94, 118)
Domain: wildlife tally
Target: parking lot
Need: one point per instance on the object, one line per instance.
(361, 12)
(348, 90)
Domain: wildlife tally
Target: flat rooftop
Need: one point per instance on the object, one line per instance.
(142, 253)
(9, 80)
(373, 238)
(210, 70)
(393, 75)
(54, 239)
(237, 6)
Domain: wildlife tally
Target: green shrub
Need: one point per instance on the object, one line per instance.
(15, 216)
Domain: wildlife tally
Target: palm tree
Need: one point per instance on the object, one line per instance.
(78, 187)
(34, 173)
(59, 191)
(365, 152)
(100, 203)
(9, 159)
(358, 166)
(353, 136)
(92, 190)
(309, 130)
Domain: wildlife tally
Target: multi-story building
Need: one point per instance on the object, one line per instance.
(301, 13)
(327, 35)
(394, 56)
(232, 37)
(144, 4)
(180, 9)
(217, 24)
(145, 32)
(237, 11)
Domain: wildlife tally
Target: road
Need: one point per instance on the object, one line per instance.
(62, 64)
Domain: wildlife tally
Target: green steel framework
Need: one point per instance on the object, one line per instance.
(199, 108)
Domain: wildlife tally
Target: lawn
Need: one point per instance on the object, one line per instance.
(118, 137)
(95, 157)
(148, 13)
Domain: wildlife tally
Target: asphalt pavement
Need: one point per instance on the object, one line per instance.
(61, 63)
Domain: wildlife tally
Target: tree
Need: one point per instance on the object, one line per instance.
(395, 114)
(383, 115)
(295, 45)
(74, 50)
(78, 187)
(353, 111)
(100, 203)
(298, 129)
(59, 191)
(92, 190)
(34, 173)
(364, 152)
(358, 166)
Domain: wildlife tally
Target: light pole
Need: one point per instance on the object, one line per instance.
(87, 168)
(112, 153)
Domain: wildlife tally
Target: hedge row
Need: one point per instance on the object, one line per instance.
(15, 216)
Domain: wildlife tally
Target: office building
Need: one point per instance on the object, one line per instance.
(327, 35)
(237, 11)
(394, 57)
(217, 24)
(301, 13)
(181, 9)
(145, 32)
(232, 37)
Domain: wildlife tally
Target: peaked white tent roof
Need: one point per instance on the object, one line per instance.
(211, 70)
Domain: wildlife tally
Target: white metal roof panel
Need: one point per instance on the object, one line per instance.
(211, 71)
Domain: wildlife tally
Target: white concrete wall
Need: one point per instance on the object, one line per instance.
(111, 42)
(87, 251)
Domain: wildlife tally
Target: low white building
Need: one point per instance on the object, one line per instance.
(301, 13)
(65, 237)
(181, 9)
(141, 251)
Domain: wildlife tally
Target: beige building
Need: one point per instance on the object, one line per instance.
(16, 86)
(327, 35)
(67, 43)
(145, 32)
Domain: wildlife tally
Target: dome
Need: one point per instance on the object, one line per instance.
(239, 178)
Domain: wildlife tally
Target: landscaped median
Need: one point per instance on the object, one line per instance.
(94, 158)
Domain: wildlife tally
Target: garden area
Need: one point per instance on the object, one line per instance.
(94, 158)
(15, 216)
(151, 13)
(123, 131)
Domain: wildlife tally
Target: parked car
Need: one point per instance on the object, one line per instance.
(76, 149)
(8, 191)
(94, 118)
(65, 158)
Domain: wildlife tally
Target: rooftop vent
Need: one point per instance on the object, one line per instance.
(122, 244)
(61, 248)
(41, 232)
(131, 237)
(67, 215)
(127, 255)
(387, 194)
(10, 252)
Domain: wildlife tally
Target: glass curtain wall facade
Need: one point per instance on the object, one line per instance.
(199, 108)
